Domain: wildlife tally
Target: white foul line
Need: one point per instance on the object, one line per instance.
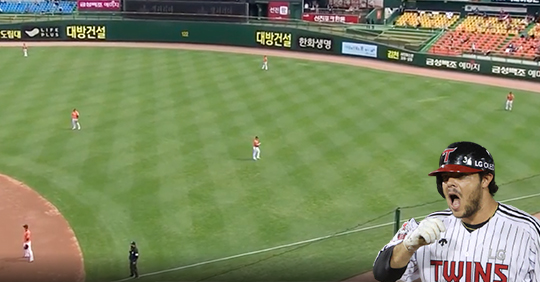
(288, 245)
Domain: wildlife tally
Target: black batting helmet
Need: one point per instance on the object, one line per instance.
(465, 157)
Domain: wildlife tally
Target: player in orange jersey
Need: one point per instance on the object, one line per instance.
(25, 50)
(75, 120)
(509, 101)
(265, 63)
(256, 149)
(27, 244)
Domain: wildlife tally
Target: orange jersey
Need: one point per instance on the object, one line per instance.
(265, 59)
(75, 114)
(256, 143)
(27, 236)
(510, 97)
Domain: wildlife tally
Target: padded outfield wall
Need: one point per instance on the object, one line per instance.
(263, 36)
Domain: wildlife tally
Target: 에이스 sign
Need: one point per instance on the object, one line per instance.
(98, 5)
(519, 1)
(451, 64)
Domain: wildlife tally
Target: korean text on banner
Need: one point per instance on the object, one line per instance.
(98, 5)
(329, 18)
(278, 10)
(357, 49)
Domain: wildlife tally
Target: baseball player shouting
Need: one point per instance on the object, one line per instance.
(476, 239)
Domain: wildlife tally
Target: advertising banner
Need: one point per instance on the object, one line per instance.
(41, 32)
(86, 32)
(523, 72)
(330, 18)
(519, 1)
(208, 10)
(275, 39)
(10, 34)
(357, 49)
(453, 64)
(98, 5)
(315, 43)
(278, 10)
(399, 56)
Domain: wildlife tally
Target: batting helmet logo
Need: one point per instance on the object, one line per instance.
(446, 153)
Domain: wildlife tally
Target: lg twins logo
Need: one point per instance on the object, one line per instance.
(446, 154)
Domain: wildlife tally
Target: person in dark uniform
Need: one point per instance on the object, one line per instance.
(133, 257)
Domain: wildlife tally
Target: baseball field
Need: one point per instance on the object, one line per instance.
(164, 158)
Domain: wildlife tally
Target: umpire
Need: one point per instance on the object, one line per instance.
(133, 257)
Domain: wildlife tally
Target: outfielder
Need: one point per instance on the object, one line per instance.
(509, 101)
(27, 244)
(25, 50)
(265, 63)
(75, 120)
(476, 239)
(256, 149)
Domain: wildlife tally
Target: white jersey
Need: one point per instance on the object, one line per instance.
(506, 249)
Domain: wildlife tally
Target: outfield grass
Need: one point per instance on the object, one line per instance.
(163, 157)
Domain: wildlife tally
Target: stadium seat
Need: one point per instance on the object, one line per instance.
(525, 47)
(491, 25)
(37, 7)
(427, 19)
(487, 34)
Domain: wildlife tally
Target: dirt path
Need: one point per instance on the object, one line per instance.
(21, 214)
(57, 256)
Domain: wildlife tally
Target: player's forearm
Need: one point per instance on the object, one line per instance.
(401, 256)
(382, 271)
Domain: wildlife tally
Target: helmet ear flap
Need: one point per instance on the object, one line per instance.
(439, 185)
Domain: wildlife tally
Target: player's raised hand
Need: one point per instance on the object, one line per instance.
(428, 232)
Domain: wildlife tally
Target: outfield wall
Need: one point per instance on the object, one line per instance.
(248, 35)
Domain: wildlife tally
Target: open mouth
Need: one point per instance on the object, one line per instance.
(455, 201)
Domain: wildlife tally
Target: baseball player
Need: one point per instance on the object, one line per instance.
(27, 244)
(476, 239)
(509, 101)
(265, 63)
(25, 50)
(133, 257)
(75, 120)
(256, 149)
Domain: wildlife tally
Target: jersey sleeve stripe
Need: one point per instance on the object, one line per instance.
(529, 217)
(441, 213)
(523, 218)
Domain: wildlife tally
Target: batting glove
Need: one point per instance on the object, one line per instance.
(428, 232)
